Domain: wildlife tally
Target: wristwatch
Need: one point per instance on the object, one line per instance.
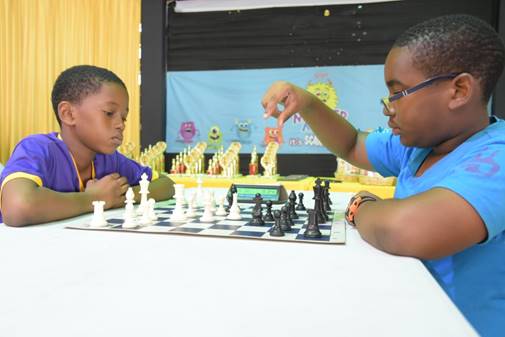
(352, 208)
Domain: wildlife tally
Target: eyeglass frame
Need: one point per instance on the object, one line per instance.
(386, 101)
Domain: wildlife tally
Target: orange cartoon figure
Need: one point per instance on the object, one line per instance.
(272, 135)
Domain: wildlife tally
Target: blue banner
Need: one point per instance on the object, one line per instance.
(219, 107)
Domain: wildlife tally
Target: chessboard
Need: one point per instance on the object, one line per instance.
(333, 231)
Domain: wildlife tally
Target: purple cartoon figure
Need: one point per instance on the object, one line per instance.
(187, 132)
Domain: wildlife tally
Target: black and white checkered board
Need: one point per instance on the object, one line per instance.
(333, 232)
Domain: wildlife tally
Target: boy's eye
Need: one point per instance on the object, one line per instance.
(108, 113)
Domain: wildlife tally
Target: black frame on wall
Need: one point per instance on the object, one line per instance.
(161, 50)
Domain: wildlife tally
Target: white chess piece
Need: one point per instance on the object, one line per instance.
(221, 211)
(199, 191)
(144, 191)
(98, 219)
(190, 211)
(145, 220)
(179, 193)
(234, 209)
(212, 201)
(129, 214)
(208, 215)
(152, 214)
(178, 214)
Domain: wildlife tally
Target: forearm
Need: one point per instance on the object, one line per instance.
(334, 132)
(159, 189)
(44, 205)
(378, 222)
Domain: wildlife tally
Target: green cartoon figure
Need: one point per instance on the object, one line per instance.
(215, 137)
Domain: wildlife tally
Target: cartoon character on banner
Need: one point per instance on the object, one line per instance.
(325, 91)
(214, 137)
(242, 130)
(272, 135)
(187, 132)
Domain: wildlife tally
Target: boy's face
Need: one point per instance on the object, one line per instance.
(100, 118)
(421, 118)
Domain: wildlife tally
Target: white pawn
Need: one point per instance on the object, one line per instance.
(152, 214)
(190, 211)
(98, 219)
(221, 211)
(208, 215)
(199, 191)
(178, 212)
(212, 201)
(129, 214)
(179, 192)
(234, 209)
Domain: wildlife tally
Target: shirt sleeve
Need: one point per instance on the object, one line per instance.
(29, 160)
(385, 152)
(478, 178)
(132, 170)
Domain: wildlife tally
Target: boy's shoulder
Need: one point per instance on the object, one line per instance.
(41, 139)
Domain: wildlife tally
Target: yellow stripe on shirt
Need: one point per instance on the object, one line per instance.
(15, 175)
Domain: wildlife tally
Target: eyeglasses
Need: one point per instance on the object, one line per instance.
(386, 101)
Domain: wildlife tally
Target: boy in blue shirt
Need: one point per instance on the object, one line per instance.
(58, 175)
(446, 152)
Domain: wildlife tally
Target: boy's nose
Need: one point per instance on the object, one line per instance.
(387, 112)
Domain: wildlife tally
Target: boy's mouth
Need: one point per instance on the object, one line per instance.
(117, 140)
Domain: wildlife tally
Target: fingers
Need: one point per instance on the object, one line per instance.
(280, 93)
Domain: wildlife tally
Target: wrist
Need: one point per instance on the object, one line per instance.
(354, 206)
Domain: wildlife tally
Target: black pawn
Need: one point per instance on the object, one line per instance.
(285, 221)
(257, 217)
(276, 230)
(326, 196)
(268, 215)
(292, 203)
(300, 206)
(312, 230)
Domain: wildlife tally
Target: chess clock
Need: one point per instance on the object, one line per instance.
(275, 193)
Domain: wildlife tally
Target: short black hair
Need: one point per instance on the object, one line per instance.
(77, 82)
(456, 43)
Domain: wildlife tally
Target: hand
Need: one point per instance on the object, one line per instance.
(293, 98)
(111, 189)
(356, 201)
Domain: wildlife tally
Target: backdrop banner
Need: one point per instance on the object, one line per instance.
(221, 106)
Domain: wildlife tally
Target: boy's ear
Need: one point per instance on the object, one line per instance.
(464, 87)
(66, 113)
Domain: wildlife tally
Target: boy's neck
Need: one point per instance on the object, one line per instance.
(82, 155)
(475, 122)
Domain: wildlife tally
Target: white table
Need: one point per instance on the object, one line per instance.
(61, 282)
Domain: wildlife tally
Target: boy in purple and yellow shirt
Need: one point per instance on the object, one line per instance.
(57, 175)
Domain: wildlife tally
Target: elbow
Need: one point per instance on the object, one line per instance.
(398, 237)
(15, 213)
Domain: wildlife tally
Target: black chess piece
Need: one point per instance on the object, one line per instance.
(312, 230)
(229, 196)
(326, 196)
(268, 215)
(292, 203)
(322, 217)
(257, 200)
(257, 216)
(276, 230)
(300, 206)
(285, 222)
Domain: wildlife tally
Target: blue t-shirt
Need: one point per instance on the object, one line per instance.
(45, 159)
(475, 277)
